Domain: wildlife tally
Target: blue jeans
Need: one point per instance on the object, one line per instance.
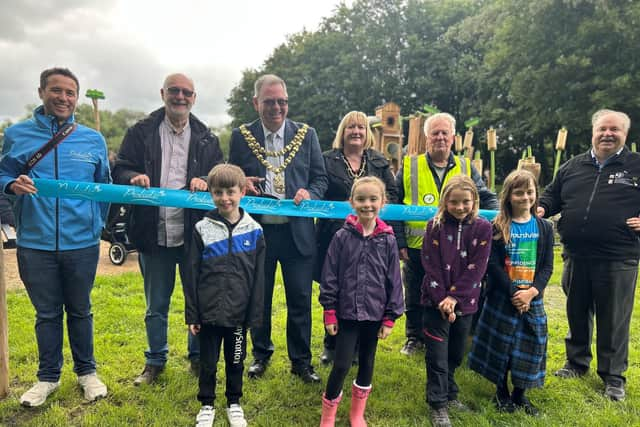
(56, 281)
(158, 268)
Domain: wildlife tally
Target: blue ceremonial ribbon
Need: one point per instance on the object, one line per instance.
(130, 194)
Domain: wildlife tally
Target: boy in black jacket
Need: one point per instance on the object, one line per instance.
(224, 290)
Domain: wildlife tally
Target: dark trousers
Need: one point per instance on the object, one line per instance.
(445, 344)
(234, 341)
(158, 268)
(297, 272)
(57, 282)
(606, 289)
(412, 275)
(350, 332)
(329, 341)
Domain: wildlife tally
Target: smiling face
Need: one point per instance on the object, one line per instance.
(178, 96)
(459, 203)
(608, 136)
(367, 200)
(59, 96)
(272, 105)
(227, 200)
(522, 199)
(355, 136)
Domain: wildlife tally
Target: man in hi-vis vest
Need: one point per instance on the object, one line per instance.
(420, 180)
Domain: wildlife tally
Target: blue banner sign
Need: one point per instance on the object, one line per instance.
(129, 194)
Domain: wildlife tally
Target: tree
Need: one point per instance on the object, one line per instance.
(95, 95)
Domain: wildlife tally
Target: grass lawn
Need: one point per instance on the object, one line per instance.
(279, 399)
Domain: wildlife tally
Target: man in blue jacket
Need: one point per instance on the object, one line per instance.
(57, 239)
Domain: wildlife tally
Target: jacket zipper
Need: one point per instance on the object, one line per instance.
(459, 234)
(593, 193)
(55, 174)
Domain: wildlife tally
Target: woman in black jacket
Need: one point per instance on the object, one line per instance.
(350, 158)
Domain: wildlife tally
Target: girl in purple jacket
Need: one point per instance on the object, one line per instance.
(455, 252)
(361, 292)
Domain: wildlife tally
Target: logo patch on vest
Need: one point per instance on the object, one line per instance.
(429, 198)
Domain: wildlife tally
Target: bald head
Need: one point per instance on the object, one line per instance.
(178, 95)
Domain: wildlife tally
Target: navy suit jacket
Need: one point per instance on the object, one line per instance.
(305, 171)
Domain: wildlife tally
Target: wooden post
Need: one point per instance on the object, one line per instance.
(4, 332)
(417, 141)
(492, 146)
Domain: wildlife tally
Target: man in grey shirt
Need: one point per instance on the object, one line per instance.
(170, 148)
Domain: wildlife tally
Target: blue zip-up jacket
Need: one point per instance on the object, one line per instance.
(49, 223)
(224, 279)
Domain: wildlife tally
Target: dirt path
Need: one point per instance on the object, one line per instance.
(105, 267)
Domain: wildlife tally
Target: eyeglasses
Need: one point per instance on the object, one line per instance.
(175, 91)
(273, 102)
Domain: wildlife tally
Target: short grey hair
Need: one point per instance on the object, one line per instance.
(446, 116)
(626, 121)
(267, 80)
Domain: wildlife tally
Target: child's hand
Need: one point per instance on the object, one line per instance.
(194, 329)
(332, 329)
(452, 317)
(521, 300)
(384, 332)
(447, 307)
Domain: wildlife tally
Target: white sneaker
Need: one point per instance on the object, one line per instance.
(206, 416)
(92, 386)
(235, 414)
(37, 394)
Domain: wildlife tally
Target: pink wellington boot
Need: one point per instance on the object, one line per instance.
(359, 396)
(329, 409)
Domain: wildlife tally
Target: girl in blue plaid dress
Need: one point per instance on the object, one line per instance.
(511, 335)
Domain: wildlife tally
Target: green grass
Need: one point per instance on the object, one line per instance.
(279, 399)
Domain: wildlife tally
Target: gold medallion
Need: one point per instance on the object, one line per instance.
(288, 153)
(278, 183)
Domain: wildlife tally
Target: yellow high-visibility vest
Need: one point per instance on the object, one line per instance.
(420, 189)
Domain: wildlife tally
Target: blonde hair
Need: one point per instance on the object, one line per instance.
(516, 179)
(369, 180)
(357, 117)
(226, 175)
(457, 182)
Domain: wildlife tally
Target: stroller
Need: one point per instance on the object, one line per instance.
(115, 232)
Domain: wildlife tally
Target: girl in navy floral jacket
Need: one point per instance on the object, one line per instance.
(455, 252)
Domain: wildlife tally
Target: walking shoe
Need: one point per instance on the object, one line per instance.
(92, 386)
(306, 373)
(411, 346)
(148, 375)
(503, 403)
(614, 390)
(257, 368)
(235, 415)
(327, 356)
(206, 416)
(194, 367)
(569, 371)
(456, 405)
(527, 406)
(440, 417)
(37, 394)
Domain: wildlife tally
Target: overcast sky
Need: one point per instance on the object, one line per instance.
(126, 47)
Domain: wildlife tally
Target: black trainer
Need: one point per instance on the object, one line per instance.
(525, 404)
